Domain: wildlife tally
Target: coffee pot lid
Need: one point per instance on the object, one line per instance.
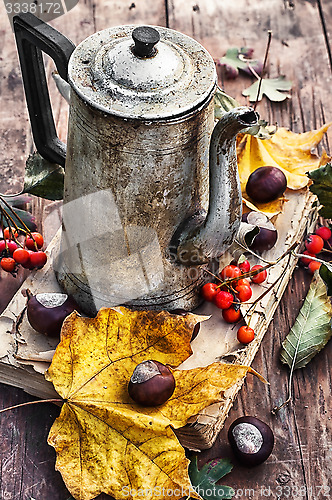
(145, 72)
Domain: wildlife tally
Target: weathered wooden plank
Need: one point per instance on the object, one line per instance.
(301, 457)
(14, 126)
(27, 462)
(296, 458)
(298, 50)
(301, 461)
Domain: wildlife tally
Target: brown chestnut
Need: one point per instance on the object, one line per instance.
(267, 236)
(266, 184)
(251, 440)
(47, 311)
(151, 383)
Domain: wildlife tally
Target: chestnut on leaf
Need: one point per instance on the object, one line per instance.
(47, 311)
(151, 383)
(251, 440)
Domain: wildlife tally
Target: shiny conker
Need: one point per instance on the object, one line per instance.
(251, 440)
(47, 311)
(266, 184)
(151, 383)
(267, 235)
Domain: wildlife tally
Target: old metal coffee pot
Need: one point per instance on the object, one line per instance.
(151, 194)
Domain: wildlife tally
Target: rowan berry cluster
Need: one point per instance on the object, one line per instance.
(314, 244)
(18, 247)
(235, 287)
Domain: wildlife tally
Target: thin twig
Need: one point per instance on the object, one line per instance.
(249, 274)
(300, 255)
(9, 220)
(267, 290)
(19, 219)
(269, 33)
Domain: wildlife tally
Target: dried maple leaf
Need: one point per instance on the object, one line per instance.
(104, 441)
(270, 87)
(290, 152)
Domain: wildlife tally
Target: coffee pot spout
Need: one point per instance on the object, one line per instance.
(211, 238)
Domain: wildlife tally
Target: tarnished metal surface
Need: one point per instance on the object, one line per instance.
(106, 73)
(128, 185)
(138, 184)
(210, 239)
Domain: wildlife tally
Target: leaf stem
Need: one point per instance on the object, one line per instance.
(254, 72)
(290, 381)
(269, 33)
(32, 403)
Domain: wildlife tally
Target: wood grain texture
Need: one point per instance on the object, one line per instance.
(302, 453)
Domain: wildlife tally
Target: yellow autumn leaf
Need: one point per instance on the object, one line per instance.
(104, 441)
(290, 152)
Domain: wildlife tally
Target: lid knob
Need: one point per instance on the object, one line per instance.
(145, 39)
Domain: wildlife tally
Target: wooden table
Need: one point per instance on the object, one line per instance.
(300, 466)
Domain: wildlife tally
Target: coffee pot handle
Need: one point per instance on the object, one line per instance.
(33, 37)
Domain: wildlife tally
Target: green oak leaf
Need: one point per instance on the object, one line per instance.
(270, 87)
(43, 178)
(322, 188)
(312, 328)
(204, 480)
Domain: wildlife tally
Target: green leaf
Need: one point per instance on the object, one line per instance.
(17, 200)
(239, 59)
(223, 103)
(43, 178)
(325, 272)
(312, 328)
(26, 217)
(322, 188)
(232, 59)
(18, 213)
(270, 88)
(204, 480)
(262, 130)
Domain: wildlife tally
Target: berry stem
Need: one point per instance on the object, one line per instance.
(266, 292)
(27, 230)
(9, 220)
(1, 226)
(214, 275)
(258, 271)
(267, 266)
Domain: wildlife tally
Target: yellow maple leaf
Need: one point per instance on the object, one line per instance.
(290, 152)
(104, 441)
